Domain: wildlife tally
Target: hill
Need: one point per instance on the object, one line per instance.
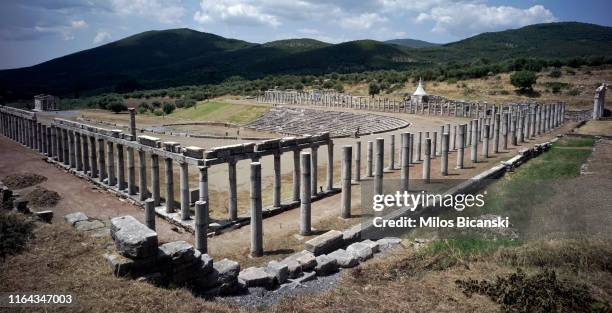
(159, 59)
(412, 43)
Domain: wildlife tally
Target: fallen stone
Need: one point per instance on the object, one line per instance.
(306, 259)
(325, 243)
(132, 238)
(256, 277)
(72, 218)
(279, 270)
(222, 280)
(372, 244)
(45, 216)
(352, 234)
(177, 252)
(122, 266)
(388, 242)
(88, 225)
(326, 265)
(293, 267)
(360, 250)
(344, 259)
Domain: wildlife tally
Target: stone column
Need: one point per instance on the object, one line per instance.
(330, 165)
(233, 194)
(391, 152)
(418, 146)
(184, 181)
(496, 133)
(120, 168)
(201, 226)
(468, 137)
(485, 143)
(276, 195)
(66, 147)
(110, 164)
(513, 130)
(506, 120)
(369, 157)
(78, 152)
(345, 209)
(474, 148)
(427, 161)
(71, 150)
(150, 213)
(521, 130)
(132, 122)
(86, 156)
(444, 154)
(460, 145)
(93, 157)
(101, 160)
(434, 145)
(143, 193)
(454, 140)
(296, 175)
(169, 185)
(305, 226)
(405, 161)
(357, 177)
(256, 215)
(411, 147)
(131, 181)
(60, 142)
(314, 170)
(378, 170)
(155, 189)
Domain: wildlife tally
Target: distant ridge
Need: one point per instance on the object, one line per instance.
(412, 43)
(174, 57)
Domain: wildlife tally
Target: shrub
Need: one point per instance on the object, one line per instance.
(14, 234)
(373, 89)
(555, 73)
(168, 107)
(523, 80)
(116, 107)
(158, 112)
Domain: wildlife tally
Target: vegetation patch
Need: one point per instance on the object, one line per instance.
(15, 232)
(542, 292)
(42, 197)
(23, 180)
(217, 111)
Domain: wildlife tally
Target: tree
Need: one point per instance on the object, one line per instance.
(116, 106)
(523, 80)
(373, 89)
(168, 107)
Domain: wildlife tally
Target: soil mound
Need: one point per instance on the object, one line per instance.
(42, 197)
(23, 180)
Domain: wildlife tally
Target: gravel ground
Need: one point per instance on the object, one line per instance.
(260, 298)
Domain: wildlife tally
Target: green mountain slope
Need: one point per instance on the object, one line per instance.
(157, 59)
(412, 43)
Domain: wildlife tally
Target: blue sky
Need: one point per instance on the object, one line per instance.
(34, 31)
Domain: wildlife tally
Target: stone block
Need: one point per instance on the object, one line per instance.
(344, 258)
(72, 218)
(193, 152)
(326, 265)
(279, 270)
(88, 225)
(325, 243)
(132, 238)
(149, 141)
(222, 279)
(177, 253)
(352, 234)
(256, 277)
(45, 216)
(294, 268)
(373, 245)
(360, 250)
(171, 146)
(305, 258)
(122, 266)
(388, 242)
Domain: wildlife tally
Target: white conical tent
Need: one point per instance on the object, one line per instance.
(420, 91)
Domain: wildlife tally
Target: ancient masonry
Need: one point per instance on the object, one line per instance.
(417, 104)
(299, 121)
(599, 102)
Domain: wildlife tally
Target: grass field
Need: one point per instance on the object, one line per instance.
(218, 111)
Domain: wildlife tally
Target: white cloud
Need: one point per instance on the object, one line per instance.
(235, 12)
(101, 36)
(363, 21)
(78, 24)
(465, 19)
(165, 11)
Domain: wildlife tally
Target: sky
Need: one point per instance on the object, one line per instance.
(34, 31)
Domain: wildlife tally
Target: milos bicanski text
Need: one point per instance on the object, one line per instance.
(458, 202)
